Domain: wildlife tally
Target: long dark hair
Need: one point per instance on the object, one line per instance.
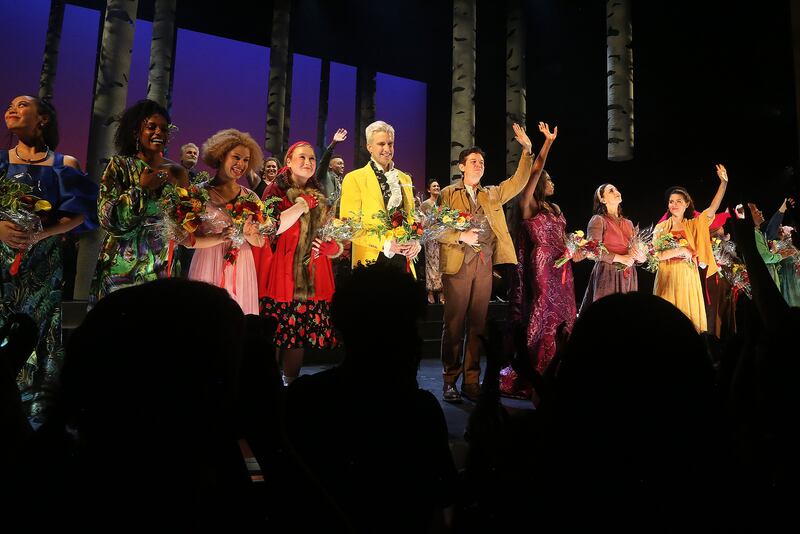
(50, 128)
(689, 213)
(130, 125)
(599, 208)
(539, 194)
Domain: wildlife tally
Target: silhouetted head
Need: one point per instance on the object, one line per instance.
(377, 310)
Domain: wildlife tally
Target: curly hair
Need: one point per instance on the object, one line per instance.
(218, 145)
(130, 125)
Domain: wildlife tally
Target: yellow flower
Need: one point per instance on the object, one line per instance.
(182, 192)
(337, 223)
(399, 232)
(410, 219)
(389, 234)
(579, 233)
(461, 220)
(683, 242)
(447, 219)
(582, 242)
(42, 205)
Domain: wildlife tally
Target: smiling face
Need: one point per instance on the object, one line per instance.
(381, 148)
(337, 166)
(270, 170)
(22, 116)
(434, 189)
(677, 205)
(154, 134)
(303, 163)
(472, 168)
(189, 157)
(234, 164)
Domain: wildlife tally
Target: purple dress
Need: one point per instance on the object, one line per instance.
(543, 296)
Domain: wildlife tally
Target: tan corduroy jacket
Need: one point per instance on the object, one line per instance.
(491, 199)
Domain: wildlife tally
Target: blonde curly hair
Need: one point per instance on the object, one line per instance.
(218, 145)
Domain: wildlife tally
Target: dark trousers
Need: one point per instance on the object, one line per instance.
(466, 305)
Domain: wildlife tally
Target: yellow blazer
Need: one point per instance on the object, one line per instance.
(362, 193)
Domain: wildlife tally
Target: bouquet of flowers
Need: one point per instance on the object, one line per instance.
(724, 252)
(19, 205)
(785, 248)
(438, 219)
(577, 242)
(736, 274)
(639, 244)
(662, 242)
(244, 209)
(398, 225)
(183, 208)
(339, 229)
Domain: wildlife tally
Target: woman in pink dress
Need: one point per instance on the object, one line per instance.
(218, 259)
(614, 271)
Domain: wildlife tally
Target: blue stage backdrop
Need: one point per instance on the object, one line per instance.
(219, 83)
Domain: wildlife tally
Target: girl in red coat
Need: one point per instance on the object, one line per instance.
(299, 280)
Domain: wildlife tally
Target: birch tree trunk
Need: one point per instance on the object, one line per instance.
(162, 48)
(278, 62)
(51, 45)
(110, 95)
(322, 114)
(287, 108)
(462, 118)
(620, 80)
(365, 112)
(515, 81)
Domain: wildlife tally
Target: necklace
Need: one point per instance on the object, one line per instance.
(31, 161)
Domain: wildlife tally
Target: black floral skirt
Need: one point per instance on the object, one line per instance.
(301, 323)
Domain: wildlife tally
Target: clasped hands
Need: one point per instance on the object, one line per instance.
(409, 250)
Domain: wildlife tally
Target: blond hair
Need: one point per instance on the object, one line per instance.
(218, 145)
(378, 126)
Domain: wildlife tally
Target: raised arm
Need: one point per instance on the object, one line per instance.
(710, 211)
(774, 224)
(527, 203)
(510, 187)
(325, 161)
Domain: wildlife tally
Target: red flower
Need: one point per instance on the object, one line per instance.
(301, 308)
(291, 320)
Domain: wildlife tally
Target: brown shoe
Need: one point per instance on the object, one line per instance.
(471, 391)
(450, 393)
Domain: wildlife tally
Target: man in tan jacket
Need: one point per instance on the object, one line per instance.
(466, 260)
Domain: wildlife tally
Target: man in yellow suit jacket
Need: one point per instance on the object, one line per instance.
(378, 186)
(466, 260)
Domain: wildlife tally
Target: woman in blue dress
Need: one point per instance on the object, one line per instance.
(34, 286)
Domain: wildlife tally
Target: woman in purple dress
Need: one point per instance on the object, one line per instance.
(542, 296)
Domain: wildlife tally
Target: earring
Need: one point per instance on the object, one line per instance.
(137, 144)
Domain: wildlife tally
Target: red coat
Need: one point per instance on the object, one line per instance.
(275, 270)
